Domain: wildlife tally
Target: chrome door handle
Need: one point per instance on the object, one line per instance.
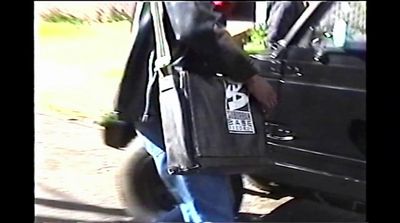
(280, 138)
(277, 132)
(293, 72)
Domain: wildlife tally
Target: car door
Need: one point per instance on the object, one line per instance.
(319, 124)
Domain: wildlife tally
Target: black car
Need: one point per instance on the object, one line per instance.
(316, 136)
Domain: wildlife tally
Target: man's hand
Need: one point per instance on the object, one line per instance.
(262, 91)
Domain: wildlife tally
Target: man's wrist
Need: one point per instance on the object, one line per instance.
(251, 79)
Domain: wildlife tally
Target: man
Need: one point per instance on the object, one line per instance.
(191, 27)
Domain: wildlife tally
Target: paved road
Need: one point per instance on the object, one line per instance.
(75, 180)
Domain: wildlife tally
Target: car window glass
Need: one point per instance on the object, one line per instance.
(352, 14)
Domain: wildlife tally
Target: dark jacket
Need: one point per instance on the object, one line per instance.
(193, 26)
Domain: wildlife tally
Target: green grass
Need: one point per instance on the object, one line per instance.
(113, 73)
(66, 29)
(63, 30)
(103, 47)
(80, 66)
(254, 48)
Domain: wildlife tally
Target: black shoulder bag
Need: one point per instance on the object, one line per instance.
(210, 124)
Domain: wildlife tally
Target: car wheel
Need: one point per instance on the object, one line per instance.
(141, 190)
(276, 191)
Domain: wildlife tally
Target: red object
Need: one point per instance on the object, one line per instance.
(218, 3)
(224, 7)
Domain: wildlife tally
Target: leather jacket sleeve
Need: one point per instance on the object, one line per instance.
(197, 26)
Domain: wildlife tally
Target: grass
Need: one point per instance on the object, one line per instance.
(113, 73)
(88, 44)
(254, 48)
(63, 30)
(78, 67)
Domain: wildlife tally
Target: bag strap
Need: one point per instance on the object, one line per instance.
(163, 53)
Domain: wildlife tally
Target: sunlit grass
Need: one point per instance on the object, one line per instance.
(78, 67)
(113, 73)
(84, 45)
(68, 30)
(64, 30)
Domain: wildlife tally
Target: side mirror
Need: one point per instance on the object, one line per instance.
(330, 40)
(320, 43)
(339, 33)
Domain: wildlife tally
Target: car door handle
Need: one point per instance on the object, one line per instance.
(280, 138)
(293, 71)
(278, 132)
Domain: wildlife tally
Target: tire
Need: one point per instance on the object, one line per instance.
(141, 190)
(238, 191)
(144, 194)
(276, 191)
(259, 182)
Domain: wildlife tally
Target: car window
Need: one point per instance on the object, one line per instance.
(353, 17)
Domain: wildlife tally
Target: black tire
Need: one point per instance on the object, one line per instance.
(259, 182)
(275, 191)
(142, 192)
(238, 191)
(140, 186)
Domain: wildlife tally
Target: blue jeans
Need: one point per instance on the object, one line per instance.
(201, 197)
